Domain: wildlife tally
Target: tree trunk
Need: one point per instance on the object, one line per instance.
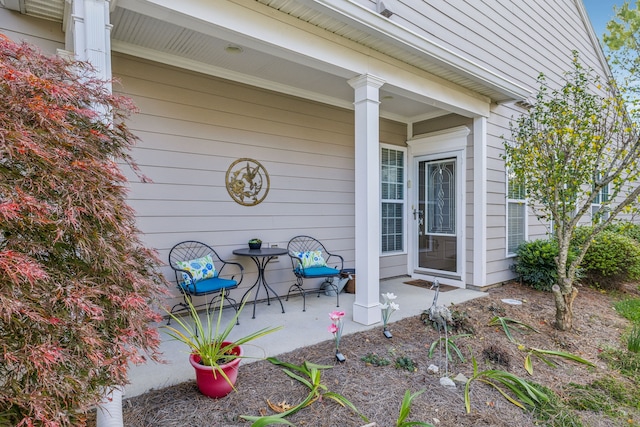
(564, 306)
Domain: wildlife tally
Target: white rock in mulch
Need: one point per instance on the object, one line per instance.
(433, 369)
(447, 382)
(436, 421)
(460, 378)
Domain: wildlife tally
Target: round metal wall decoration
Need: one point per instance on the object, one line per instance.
(247, 182)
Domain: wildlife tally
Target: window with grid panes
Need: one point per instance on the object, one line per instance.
(601, 198)
(392, 177)
(516, 214)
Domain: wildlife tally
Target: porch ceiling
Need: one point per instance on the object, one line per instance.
(162, 40)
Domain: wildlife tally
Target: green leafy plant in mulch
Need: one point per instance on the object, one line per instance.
(516, 390)
(375, 360)
(406, 363)
(460, 323)
(405, 408)
(544, 356)
(546, 406)
(308, 374)
(505, 322)
(449, 345)
(541, 354)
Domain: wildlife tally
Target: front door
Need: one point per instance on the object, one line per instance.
(437, 215)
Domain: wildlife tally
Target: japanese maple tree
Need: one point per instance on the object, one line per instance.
(77, 287)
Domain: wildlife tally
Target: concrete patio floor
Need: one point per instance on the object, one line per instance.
(300, 329)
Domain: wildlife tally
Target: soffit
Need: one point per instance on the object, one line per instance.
(352, 23)
(368, 39)
(46, 9)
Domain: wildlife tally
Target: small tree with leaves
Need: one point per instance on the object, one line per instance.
(77, 287)
(574, 142)
(622, 44)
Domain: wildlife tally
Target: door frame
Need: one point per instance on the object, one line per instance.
(447, 144)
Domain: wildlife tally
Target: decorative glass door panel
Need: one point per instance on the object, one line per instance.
(437, 215)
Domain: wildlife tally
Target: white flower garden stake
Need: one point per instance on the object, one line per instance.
(388, 306)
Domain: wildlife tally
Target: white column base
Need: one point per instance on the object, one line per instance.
(367, 315)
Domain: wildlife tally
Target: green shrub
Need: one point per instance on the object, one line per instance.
(611, 259)
(581, 234)
(626, 228)
(535, 264)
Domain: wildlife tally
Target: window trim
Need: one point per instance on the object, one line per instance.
(404, 202)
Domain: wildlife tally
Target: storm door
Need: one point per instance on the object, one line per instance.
(436, 215)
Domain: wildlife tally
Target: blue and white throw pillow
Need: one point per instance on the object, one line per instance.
(200, 269)
(311, 259)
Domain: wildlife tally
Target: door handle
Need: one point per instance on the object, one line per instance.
(417, 213)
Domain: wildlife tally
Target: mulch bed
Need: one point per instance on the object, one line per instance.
(377, 391)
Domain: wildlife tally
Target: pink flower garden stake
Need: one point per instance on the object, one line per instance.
(336, 330)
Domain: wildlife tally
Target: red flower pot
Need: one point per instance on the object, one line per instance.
(214, 384)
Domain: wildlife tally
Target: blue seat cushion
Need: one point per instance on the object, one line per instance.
(208, 286)
(318, 272)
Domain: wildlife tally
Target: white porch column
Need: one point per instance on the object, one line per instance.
(479, 201)
(88, 34)
(366, 309)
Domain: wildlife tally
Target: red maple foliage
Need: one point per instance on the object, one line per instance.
(77, 287)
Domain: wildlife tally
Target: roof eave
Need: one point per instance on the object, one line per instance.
(356, 15)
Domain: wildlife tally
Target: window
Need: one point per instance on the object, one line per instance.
(516, 214)
(601, 198)
(392, 178)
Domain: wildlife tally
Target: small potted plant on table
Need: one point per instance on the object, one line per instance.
(255, 244)
(214, 357)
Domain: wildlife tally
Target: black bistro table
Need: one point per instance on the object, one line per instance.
(261, 258)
